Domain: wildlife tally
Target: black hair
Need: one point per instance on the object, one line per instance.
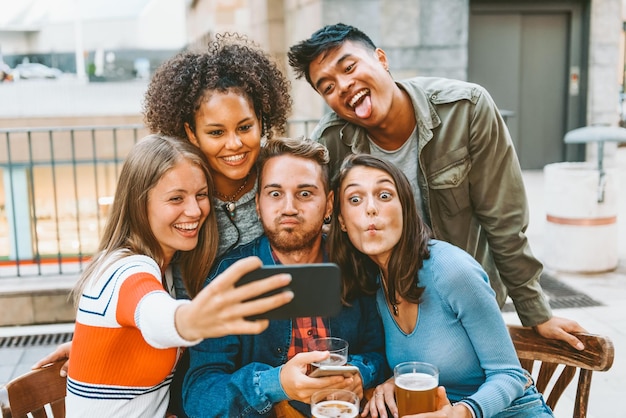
(325, 39)
(230, 62)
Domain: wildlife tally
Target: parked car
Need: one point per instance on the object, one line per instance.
(6, 74)
(35, 70)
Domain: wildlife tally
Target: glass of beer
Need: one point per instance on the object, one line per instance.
(416, 387)
(334, 403)
(337, 347)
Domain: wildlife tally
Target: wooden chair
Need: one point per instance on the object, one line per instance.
(284, 410)
(31, 392)
(558, 363)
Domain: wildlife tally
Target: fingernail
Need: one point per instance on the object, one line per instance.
(63, 373)
(580, 346)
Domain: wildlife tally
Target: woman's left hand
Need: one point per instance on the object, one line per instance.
(383, 400)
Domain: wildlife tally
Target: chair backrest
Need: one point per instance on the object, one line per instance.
(558, 363)
(31, 392)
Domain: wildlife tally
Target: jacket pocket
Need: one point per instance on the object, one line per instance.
(449, 183)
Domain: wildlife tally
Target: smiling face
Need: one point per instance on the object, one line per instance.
(355, 82)
(371, 212)
(292, 207)
(177, 207)
(229, 133)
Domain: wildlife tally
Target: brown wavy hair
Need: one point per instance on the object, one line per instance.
(231, 62)
(407, 257)
(298, 147)
(128, 228)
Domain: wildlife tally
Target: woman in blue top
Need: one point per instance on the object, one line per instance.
(434, 298)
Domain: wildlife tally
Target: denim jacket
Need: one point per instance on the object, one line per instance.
(238, 375)
(470, 181)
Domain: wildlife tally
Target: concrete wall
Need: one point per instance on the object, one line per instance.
(28, 301)
(423, 37)
(605, 61)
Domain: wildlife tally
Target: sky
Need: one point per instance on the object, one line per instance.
(24, 14)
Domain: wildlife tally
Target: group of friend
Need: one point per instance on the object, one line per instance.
(418, 187)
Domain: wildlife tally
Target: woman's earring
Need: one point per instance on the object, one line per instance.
(327, 220)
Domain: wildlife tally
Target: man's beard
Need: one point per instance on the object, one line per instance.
(289, 240)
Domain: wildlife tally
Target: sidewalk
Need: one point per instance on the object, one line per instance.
(609, 319)
(607, 389)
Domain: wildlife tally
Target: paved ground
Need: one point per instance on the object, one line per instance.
(607, 389)
(607, 288)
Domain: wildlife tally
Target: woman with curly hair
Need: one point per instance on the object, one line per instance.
(224, 101)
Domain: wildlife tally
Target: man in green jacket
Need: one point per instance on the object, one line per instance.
(450, 140)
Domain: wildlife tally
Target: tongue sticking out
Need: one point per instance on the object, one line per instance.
(363, 109)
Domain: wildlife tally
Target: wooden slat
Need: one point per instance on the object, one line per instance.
(30, 392)
(560, 362)
(597, 355)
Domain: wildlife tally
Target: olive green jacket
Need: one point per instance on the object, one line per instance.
(470, 181)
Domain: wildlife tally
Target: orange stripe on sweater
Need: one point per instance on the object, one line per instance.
(118, 356)
(132, 290)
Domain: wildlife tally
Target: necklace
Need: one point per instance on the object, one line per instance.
(393, 305)
(230, 206)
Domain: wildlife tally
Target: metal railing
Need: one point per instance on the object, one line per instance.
(56, 187)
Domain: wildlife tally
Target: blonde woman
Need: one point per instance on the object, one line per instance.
(129, 327)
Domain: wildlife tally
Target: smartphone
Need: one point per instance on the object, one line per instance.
(316, 288)
(345, 370)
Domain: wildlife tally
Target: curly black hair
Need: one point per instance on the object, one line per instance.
(232, 61)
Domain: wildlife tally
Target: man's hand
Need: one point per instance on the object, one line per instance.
(298, 386)
(557, 328)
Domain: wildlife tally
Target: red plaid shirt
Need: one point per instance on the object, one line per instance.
(302, 331)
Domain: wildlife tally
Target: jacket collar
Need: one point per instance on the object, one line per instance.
(354, 136)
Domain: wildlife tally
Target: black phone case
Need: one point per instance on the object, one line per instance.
(316, 288)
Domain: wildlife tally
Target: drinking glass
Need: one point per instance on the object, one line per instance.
(337, 347)
(334, 403)
(416, 387)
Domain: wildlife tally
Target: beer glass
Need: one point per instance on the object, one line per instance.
(334, 403)
(337, 347)
(416, 387)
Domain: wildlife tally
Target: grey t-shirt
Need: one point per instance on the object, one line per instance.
(405, 158)
(244, 228)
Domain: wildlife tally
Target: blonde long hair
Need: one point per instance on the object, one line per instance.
(127, 227)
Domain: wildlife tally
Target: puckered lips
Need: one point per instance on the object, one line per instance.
(361, 103)
(372, 229)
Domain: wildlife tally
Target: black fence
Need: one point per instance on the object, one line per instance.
(55, 190)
